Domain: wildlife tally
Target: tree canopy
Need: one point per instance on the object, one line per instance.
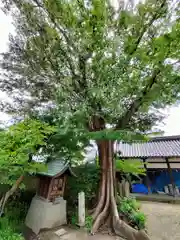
(93, 59)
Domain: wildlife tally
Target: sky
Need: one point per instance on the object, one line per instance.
(171, 125)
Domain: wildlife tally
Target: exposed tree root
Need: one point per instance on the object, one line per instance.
(107, 207)
(9, 193)
(102, 154)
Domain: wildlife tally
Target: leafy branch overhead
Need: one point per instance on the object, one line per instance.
(18, 143)
(134, 167)
(118, 135)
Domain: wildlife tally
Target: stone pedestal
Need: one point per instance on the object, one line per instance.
(43, 214)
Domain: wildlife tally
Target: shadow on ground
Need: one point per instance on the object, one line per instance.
(28, 234)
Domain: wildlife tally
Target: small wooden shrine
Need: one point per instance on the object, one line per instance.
(52, 183)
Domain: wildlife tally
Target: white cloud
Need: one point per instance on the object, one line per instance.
(172, 122)
(6, 28)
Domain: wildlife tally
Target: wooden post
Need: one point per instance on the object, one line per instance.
(171, 176)
(147, 177)
(81, 209)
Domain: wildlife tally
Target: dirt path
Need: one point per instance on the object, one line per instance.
(71, 234)
(163, 220)
(163, 223)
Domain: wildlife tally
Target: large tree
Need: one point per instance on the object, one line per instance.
(100, 66)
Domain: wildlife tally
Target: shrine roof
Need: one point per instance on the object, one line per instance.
(57, 168)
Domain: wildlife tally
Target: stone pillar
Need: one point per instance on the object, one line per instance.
(81, 209)
(166, 189)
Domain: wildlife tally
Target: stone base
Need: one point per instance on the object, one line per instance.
(43, 214)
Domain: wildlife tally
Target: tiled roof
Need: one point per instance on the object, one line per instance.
(57, 167)
(157, 147)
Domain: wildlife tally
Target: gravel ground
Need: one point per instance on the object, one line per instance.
(163, 220)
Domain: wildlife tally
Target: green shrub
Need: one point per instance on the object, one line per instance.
(139, 219)
(131, 203)
(11, 224)
(74, 219)
(88, 222)
(15, 212)
(87, 181)
(130, 208)
(125, 207)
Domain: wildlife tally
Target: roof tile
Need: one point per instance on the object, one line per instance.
(164, 148)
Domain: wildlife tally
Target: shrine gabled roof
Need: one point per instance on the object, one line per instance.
(156, 147)
(56, 168)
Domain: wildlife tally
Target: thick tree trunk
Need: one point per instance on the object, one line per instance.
(9, 193)
(107, 208)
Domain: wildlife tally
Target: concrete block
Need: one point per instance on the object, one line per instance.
(45, 215)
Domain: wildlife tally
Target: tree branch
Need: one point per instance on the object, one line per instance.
(155, 16)
(123, 121)
(69, 44)
(82, 69)
(58, 27)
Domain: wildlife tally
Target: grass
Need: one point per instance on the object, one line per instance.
(11, 224)
(6, 232)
